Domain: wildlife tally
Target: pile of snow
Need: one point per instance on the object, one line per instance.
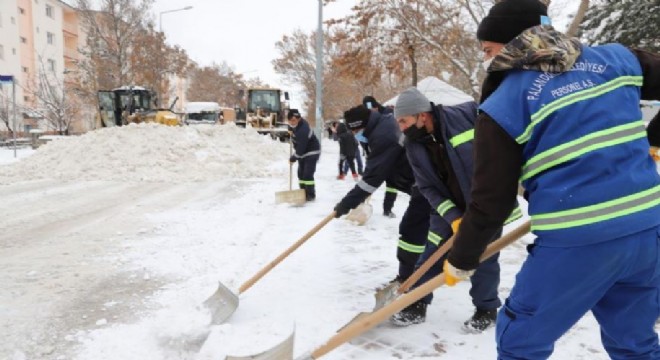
(155, 153)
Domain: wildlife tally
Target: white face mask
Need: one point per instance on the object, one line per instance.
(486, 63)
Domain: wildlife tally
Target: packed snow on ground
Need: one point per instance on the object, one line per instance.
(112, 241)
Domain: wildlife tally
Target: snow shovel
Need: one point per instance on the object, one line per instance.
(361, 214)
(391, 291)
(280, 352)
(370, 320)
(223, 302)
(295, 197)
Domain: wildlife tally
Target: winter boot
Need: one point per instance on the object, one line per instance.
(355, 177)
(310, 193)
(398, 280)
(415, 313)
(480, 321)
(341, 177)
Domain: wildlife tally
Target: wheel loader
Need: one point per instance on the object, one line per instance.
(266, 112)
(132, 104)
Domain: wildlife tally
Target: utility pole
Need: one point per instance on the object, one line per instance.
(319, 74)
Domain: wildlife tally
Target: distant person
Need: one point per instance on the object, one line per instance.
(307, 152)
(347, 146)
(390, 192)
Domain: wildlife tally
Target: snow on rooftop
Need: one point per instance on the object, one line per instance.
(154, 153)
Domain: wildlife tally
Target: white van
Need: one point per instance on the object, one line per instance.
(202, 113)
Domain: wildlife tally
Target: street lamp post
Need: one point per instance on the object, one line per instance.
(319, 73)
(160, 16)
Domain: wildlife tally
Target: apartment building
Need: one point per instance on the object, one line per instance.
(38, 37)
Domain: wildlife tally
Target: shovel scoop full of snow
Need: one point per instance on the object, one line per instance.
(361, 214)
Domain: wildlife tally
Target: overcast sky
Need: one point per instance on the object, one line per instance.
(241, 32)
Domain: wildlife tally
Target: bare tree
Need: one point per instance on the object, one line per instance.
(217, 83)
(52, 104)
(111, 32)
(6, 110)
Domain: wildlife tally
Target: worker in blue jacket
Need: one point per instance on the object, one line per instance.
(564, 119)
(439, 147)
(306, 152)
(387, 162)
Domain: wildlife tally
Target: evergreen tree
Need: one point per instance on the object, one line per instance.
(633, 23)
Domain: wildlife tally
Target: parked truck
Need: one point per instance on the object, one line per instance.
(266, 112)
(202, 113)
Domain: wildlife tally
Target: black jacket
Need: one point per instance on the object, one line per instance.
(387, 161)
(347, 142)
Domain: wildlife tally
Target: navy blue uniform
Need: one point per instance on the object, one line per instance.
(387, 161)
(307, 152)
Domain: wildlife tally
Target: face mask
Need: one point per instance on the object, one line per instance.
(415, 133)
(486, 63)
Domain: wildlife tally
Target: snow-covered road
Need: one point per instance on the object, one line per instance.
(109, 270)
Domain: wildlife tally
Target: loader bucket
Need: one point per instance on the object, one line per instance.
(283, 351)
(222, 304)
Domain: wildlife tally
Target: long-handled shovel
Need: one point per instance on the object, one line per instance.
(295, 197)
(371, 320)
(390, 292)
(223, 302)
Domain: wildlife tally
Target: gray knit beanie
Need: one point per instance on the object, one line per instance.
(411, 102)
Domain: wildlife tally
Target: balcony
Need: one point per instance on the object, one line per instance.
(71, 53)
(70, 28)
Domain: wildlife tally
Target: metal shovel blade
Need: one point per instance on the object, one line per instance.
(295, 197)
(386, 295)
(283, 351)
(383, 296)
(222, 304)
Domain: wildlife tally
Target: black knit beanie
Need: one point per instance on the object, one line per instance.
(357, 117)
(508, 18)
(370, 102)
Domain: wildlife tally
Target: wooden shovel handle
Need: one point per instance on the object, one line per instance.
(375, 318)
(442, 250)
(246, 285)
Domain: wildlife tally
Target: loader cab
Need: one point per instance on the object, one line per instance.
(116, 105)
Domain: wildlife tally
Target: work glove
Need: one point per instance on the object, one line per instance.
(654, 151)
(455, 224)
(453, 275)
(292, 159)
(341, 210)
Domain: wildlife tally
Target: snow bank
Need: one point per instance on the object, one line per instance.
(155, 153)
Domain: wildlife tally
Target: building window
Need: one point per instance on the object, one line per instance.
(23, 40)
(21, 11)
(13, 51)
(0, 20)
(50, 37)
(2, 52)
(51, 65)
(24, 68)
(49, 11)
(37, 29)
(13, 20)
